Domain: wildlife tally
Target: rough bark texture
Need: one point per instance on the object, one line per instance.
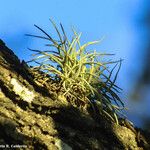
(32, 117)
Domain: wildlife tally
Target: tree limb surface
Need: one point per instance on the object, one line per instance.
(33, 117)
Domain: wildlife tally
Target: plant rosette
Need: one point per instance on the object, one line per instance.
(84, 79)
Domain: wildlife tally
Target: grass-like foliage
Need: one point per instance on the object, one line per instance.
(85, 79)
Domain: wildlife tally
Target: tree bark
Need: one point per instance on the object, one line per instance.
(33, 117)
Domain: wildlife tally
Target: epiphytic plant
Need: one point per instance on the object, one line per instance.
(82, 76)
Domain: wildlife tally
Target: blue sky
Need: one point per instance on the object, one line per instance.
(115, 19)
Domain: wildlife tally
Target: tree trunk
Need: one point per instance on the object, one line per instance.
(33, 117)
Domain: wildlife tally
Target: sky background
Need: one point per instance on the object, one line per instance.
(116, 20)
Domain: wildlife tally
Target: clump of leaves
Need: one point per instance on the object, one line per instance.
(82, 76)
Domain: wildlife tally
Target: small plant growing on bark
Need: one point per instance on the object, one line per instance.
(84, 79)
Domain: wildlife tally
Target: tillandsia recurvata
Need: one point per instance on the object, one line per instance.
(85, 79)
